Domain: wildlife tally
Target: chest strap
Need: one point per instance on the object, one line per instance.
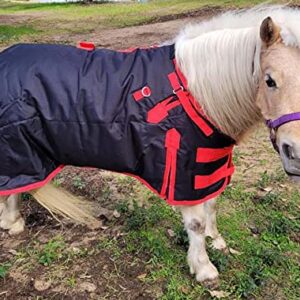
(185, 100)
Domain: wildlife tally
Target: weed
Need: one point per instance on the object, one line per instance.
(269, 199)
(180, 238)
(122, 207)
(264, 181)
(137, 219)
(26, 197)
(71, 281)
(237, 156)
(51, 252)
(218, 258)
(57, 181)
(78, 183)
(236, 192)
(4, 268)
(279, 224)
(111, 245)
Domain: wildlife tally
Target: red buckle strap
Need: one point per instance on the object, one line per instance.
(205, 155)
(142, 93)
(161, 110)
(183, 97)
(88, 46)
(172, 143)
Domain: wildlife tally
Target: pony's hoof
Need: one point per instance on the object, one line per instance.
(207, 273)
(219, 244)
(192, 270)
(212, 284)
(18, 227)
(4, 224)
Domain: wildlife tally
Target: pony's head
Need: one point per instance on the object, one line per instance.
(279, 92)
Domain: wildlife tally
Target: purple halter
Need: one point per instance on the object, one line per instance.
(275, 124)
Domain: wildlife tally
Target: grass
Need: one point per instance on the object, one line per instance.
(4, 268)
(10, 33)
(261, 227)
(263, 258)
(48, 20)
(159, 7)
(51, 252)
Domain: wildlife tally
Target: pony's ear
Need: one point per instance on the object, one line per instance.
(269, 31)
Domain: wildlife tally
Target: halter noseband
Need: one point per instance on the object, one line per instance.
(273, 125)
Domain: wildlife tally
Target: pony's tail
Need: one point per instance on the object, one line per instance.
(61, 202)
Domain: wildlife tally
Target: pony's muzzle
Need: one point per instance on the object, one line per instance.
(290, 156)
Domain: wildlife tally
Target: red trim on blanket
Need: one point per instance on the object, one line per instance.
(33, 186)
(195, 202)
(169, 201)
(179, 202)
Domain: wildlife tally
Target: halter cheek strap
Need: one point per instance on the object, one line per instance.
(273, 125)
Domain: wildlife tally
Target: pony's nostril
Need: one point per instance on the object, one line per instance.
(288, 151)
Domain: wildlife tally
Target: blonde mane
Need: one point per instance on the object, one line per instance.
(221, 61)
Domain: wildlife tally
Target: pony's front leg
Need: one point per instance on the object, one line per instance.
(10, 217)
(211, 229)
(194, 218)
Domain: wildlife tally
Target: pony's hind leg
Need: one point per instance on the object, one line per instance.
(2, 204)
(10, 217)
(211, 229)
(194, 218)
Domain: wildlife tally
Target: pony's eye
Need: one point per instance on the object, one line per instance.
(270, 81)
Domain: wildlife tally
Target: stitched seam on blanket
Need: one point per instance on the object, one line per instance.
(113, 122)
(15, 123)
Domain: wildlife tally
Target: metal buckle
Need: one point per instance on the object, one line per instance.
(146, 92)
(179, 89)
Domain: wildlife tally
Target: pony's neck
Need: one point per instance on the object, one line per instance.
(222, 68)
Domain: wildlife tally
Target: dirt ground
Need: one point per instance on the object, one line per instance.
(96, 269)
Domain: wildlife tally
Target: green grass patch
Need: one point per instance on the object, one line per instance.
(4, 268)
(13, 33)
(264, 257)
(74, 18)
(119, 8)
(51, 252)
(117, 14)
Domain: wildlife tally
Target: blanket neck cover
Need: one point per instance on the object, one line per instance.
(128, 112)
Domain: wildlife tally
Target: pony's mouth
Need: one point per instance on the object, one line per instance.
(292, 167)
(294, 178)
(293, 172)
